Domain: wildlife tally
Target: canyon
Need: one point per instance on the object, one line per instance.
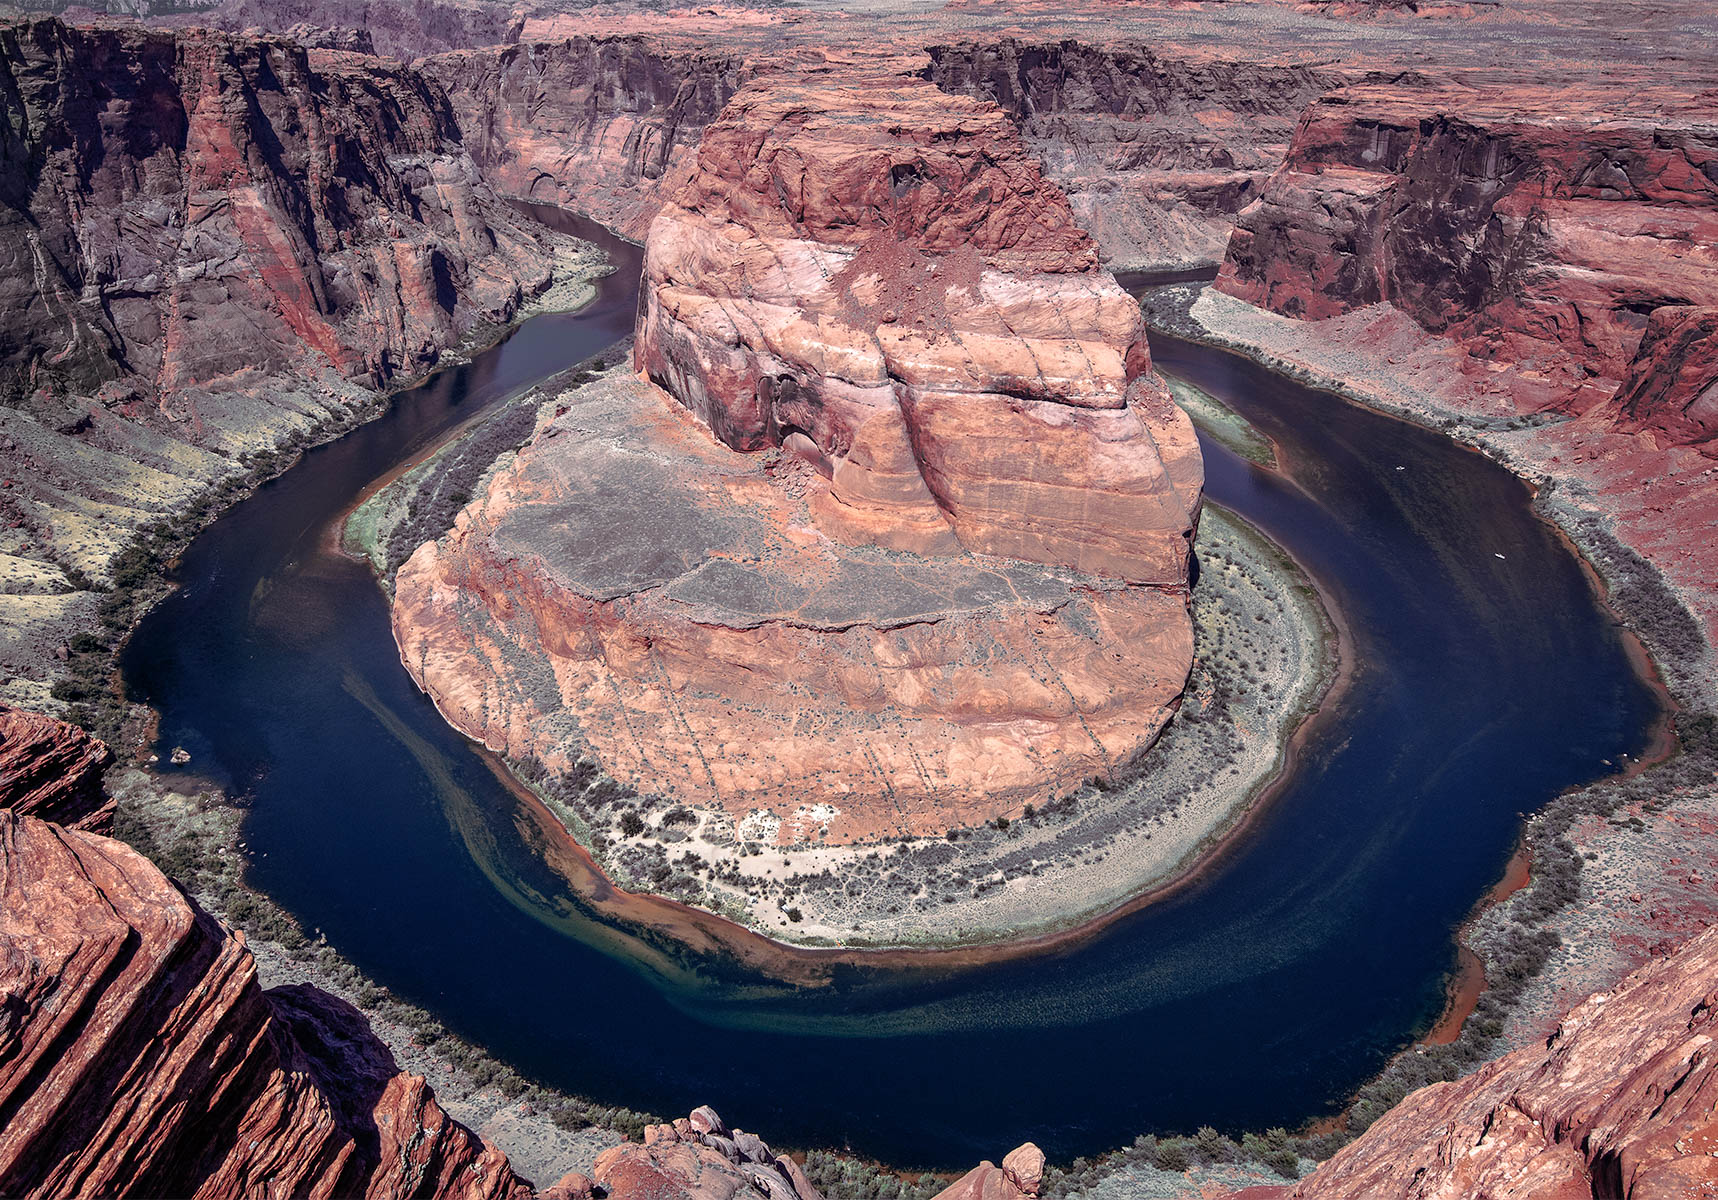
(858, 360)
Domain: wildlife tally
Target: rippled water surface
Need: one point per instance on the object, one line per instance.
(1487, 680)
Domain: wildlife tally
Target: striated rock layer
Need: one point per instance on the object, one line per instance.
(630, 589)
(1622, 1100)
(606, 126)
(139, 1056)
(876, 274)
(1157, 148)
(955, 585)
(1537, 237)
(52, 770)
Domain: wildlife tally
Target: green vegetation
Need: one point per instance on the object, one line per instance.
(1220, 423)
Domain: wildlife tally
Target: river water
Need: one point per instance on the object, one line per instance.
(1487, 679)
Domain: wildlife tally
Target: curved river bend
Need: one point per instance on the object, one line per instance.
(1488, 679)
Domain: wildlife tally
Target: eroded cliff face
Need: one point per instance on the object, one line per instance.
(878, 274)
(904, 547)
(1157, 150)
(142, 1058)
(1538, 238)
(210, 245)
(52, 770)
(606, 126)
(1622, 1101)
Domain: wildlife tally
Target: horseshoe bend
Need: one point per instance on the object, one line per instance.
(1128, 580)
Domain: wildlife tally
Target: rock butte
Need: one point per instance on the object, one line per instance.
(955, 580)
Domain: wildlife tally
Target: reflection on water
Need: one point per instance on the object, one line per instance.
(1487, 680)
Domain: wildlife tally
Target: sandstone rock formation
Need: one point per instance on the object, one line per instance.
(1531, 233)
(1157, 148)
(187, 207)
(1018, 1177)
(605, 126)
(1671, 388)
(140, 1057)
(877, 274)
(700, 1158)
(631, 590)
(1622, 1100)
(210, 245)
(52, 770)
(956, 582)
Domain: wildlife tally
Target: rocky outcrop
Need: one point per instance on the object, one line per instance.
(140, 1057)
(1158, 149)
(1622, 1100)
(1018, 1178)
(190, 207)
(211, 246)
(1671, 388)
(605, 126)
(878, 275)
(700, 1158)
(911, 552)
(629, 590)
(52, 770)
(1537, 237)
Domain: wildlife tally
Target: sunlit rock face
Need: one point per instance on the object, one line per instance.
(1539, 231)
(900, 542)
(877, 274)
(142, 1058)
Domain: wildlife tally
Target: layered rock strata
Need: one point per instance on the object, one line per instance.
(1157, 149)
(210, 245)
(911, 553)
(52, 770)
(629, 589)
(877, 275)
(606, 126)
(142, 1058)
(1621, 1100)
(699, 1157)
(1537, 237)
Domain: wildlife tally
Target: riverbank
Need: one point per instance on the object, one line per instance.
(1614, 872)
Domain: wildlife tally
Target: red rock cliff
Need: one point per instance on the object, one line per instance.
(140, 1057)
(52, 770)
(601, 125)
(1621, 1101)
(1531, 231)
(186, 207)
(1156, 148)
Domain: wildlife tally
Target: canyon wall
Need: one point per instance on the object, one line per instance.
(210, 245)
(1158, 149)
(141, 1056)
(605, 126)
(907, 549)
(1538, 233)
(1620, 1101)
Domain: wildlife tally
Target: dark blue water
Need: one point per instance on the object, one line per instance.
(1259, 996)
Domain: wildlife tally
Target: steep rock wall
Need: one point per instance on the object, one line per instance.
(1156, 150)
(52, 770)
(605, 126)
(141, 1058)
(1537, 237)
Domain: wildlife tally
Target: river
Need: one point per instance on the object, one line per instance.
(1487, 678)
